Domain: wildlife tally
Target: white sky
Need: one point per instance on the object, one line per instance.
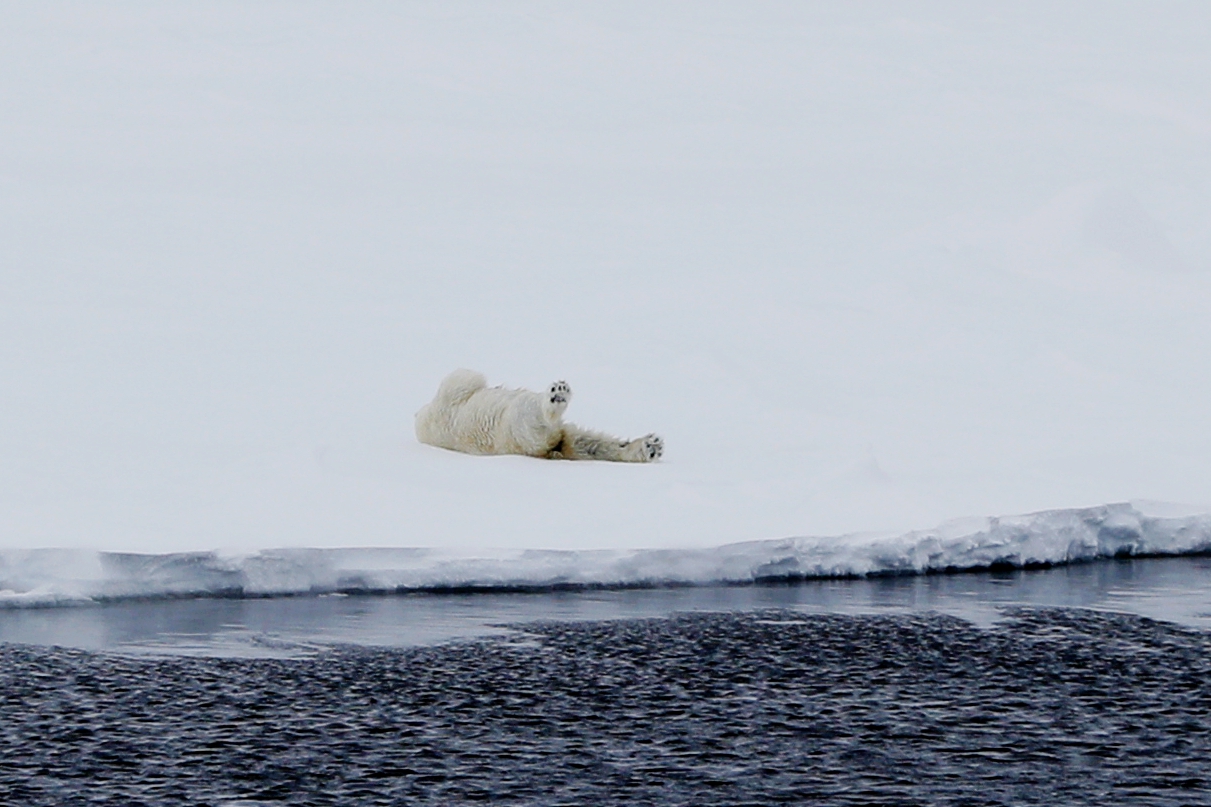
(864, 266)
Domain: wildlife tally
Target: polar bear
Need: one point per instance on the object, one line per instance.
(467, 415)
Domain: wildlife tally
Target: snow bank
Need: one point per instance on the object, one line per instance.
(58, 577)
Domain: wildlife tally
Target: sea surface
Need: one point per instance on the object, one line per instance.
(1087, 684)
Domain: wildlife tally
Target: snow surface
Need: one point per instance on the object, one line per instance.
(864, 267)
(65, 577)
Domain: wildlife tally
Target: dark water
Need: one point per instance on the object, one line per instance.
(1176, 590)
(1046, 706)
(1080, 685)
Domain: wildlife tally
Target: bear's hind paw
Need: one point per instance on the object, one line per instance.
(653, 447)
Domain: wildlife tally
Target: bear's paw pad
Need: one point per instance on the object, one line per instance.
(559, 392)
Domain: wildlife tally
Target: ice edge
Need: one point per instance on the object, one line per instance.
(58, 577)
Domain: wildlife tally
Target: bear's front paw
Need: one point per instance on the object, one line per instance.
(559, 393)
(653, 447)
(557, 397)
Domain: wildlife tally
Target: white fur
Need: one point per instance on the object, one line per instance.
(467, 415)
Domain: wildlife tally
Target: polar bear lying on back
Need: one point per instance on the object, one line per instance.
(468, 415)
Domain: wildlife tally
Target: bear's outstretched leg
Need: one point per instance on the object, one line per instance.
(583, 444)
